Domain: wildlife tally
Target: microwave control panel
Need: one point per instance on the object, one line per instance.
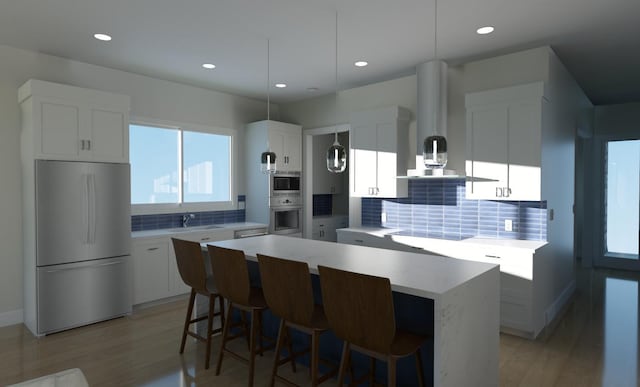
(285, 201)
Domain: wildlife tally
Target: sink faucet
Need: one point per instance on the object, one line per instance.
(186, 219)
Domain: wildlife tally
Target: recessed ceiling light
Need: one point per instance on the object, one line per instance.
(485, 30)
(281, 85)
(312, 89)
(361, 63)
(209, 66)
(103, 37)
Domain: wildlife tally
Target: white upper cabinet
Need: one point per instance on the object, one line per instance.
(504, 131)
(285, 140)
(64, 122)
(378, 152)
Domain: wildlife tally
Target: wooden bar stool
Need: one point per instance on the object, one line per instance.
(231, 275)
(191, 265)
(289, 294)
(360, 311)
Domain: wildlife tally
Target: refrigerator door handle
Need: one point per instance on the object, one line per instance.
(85, 206)
(84, 267)
(91, 190)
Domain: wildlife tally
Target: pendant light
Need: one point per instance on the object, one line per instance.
(435, 146)
(268, 158)
(336, 154)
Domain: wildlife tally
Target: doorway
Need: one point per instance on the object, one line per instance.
(620, 182)
(316, 142)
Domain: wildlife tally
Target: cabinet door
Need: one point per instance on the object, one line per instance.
(525, 123)
(150, 270)
(387, 160)
(109, 140)
(277, 145)
(293, 151)
(364, 159)
(57, 129)
(487, 151)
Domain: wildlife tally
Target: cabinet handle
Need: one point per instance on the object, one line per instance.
(88, 144)
(498, 192)
(358, 240)
(81, 144)
(152, 248)
(205, 239)
(492, 256)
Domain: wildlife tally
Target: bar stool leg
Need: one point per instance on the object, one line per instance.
(315, 346)
(372, 370)
(222, 314)
(290, 348)
(419, 368)
(280, 341)
(344, 362)
(252, 345)
(192, 299)
(391, 366)
(225, 333)
(212, 305)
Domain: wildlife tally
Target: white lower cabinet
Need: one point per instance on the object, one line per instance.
(324, 228)
(155, 269)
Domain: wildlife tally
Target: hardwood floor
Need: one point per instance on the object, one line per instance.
(595, 343)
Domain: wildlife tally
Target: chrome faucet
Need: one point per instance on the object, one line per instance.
(186, 219)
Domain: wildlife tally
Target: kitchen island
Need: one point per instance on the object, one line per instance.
(454, 301)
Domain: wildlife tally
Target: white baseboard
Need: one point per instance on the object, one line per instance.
(552, 311)
(11, 317)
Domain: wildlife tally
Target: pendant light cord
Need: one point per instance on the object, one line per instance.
(336, 85)
(435, 31)
(268, 83)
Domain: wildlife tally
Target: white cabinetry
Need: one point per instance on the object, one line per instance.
(324, 227)
(284, 139)
(379, 147)
(64, 122)
(155, 271)
(504, 148)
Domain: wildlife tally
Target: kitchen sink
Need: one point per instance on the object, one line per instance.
(192, 229)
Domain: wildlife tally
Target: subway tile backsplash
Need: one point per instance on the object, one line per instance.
(437, 208)
(322, 204)
(154, 222)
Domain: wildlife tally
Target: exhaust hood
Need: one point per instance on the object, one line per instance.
(431, 115)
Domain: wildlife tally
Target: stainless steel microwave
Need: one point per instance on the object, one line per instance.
(285, 183)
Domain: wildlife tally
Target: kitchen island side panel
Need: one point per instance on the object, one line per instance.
(467, 333)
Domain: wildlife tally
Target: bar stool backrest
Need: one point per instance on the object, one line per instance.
(359, 308)
(287, 288)
(230, 274)
(191, 264)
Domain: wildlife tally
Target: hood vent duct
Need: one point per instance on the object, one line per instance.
(431, 118)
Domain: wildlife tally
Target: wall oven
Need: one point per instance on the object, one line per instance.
(285, 220)
(285, 183)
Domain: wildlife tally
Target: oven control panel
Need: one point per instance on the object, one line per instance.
(285, 201)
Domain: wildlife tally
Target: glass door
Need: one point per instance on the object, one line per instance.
(621, 198)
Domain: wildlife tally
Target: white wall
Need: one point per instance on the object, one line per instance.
(150, 97)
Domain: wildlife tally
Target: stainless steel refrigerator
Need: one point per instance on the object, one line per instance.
(83, 243)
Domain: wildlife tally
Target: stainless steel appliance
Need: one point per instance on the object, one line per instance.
(285, 183)
(285, 213)
(83, 242)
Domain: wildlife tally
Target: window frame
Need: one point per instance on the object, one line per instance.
(181, 206)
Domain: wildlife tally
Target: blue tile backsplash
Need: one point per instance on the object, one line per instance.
(322, 204)
(437, 208)
(154, 222)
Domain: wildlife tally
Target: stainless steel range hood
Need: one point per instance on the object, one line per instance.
(432, 114)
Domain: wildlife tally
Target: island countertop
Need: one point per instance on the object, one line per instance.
(421, 275)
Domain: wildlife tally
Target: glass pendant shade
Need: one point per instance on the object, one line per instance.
(268, 162)
(336, 157)
(435, 152)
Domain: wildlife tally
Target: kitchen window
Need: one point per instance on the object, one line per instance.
(176, 168)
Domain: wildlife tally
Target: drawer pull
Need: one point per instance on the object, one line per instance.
(358, 240)
(492, 256)
(205, 239)
(152, 248)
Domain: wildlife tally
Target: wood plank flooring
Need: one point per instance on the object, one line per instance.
(595, 343)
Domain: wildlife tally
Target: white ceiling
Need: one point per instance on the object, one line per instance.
(598, 40)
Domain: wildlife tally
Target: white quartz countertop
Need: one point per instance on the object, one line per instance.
(437, 244)
(421, 275)
(180, 230)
